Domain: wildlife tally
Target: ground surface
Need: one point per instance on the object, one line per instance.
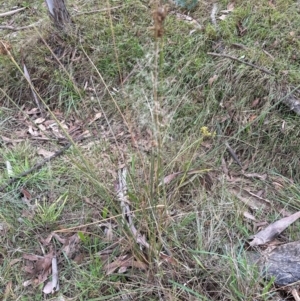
(179, 148)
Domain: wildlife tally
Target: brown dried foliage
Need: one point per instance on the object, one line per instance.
(159, 15)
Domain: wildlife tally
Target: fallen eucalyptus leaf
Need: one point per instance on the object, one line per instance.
(273, 230)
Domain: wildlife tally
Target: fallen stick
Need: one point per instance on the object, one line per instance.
(18, 28)
(9, 13)
(289, 99)
(39, 165)
(242, 62)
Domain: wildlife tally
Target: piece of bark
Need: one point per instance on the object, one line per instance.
(282, 263)
(293, 103)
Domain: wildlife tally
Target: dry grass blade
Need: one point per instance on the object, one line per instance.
(27, 76)
(167, 179)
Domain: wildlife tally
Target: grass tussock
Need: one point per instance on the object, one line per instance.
(166, 110)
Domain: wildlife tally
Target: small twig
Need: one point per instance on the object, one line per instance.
(19, 28)
(295, 294)
(26, 74)
(39, 165)
(130, 74)
(9, 13)
(242, 62)
(233, 155)
(127, 213)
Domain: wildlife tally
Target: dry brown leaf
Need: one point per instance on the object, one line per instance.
(249, 216)
(52, 286)
(122, 264)
(33, 111)
(4, 227)
(14, 261)
(8, 290)
(42, 277)
(79, 258)
(188, 19)
(241, 29)
(249, 200)
(27, 282)
(271, 3)
(109, 232)
(278, 186)
(71, 246)
(39, 120)
(44, 264)
(224, 167)
(273, 230)
(26, 199)
(49, 123)
(260, 193)
(29, 269)
(168, 259)
(46, 241)
(38, 267)
(33, 132)
(41, 127)
(56, 129)
(252, 117)
(96, 117)
(45, 153)
(172, 176)
(255, 103)
(266, 201)
(223, 17)
(48, 288)
(13, 141)
(122, 270)
(212, 79)
(5, 47)
(230, 6)
(26, 193)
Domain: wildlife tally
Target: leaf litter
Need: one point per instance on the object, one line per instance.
(279, 261)
(41, 267)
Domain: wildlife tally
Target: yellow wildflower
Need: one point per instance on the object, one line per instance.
(206, 133)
